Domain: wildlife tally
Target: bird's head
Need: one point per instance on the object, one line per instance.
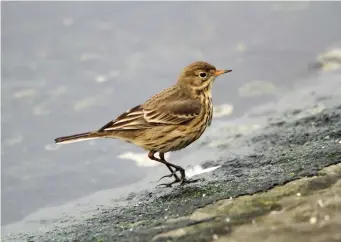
(199, 76)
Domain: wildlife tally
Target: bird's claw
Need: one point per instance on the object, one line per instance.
(167, 176)
(170, 175)
(185, 181)
(181, 181)
(168, 184)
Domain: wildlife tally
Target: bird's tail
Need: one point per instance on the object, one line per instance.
(77, 137)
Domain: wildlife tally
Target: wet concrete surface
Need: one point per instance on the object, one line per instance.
(67, 68)
(293, 142)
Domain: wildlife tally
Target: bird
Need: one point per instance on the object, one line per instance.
(169, 121)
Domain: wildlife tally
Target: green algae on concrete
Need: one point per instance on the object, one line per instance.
(280, 210)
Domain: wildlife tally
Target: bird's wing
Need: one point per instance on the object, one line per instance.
(132, 119)
(174, 112)
(156, 113)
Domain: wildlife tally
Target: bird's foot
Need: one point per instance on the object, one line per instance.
(181, 181)
(185, 181)
(167, 176)
(171, 175)
(169, 184)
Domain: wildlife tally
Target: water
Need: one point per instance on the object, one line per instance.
(70, 67)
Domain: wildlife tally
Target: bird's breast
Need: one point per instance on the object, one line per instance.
(208, 110)
(204, 119)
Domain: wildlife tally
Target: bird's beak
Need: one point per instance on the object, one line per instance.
(220, 72)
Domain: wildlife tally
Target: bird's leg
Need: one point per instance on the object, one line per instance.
(177, 168)
(173, 173)
(169, 165)
(182, 180)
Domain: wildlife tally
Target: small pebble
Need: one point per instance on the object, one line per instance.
(313, 220)
(215, 237)
(320, 203)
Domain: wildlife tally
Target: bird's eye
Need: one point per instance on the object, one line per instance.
(202, 74)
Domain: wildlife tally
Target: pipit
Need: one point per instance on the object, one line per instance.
(169, 121)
